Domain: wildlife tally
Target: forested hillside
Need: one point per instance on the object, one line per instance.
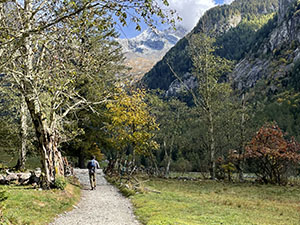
(270, 72)
(234, 27)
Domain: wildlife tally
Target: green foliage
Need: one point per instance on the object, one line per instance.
(174, 119)
(280, 105)
(60, 183)
(238, 41)
(123, 188)
(182, 165)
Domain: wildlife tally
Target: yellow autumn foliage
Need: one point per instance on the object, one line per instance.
(131, 123)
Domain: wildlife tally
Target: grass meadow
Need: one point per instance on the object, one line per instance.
(26, 205)
(211, 202)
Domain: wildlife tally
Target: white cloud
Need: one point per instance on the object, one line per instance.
(191, 10)
(228, 1)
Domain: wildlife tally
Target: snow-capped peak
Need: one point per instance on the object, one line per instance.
(152, 41)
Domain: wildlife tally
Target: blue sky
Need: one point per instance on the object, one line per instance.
(189, 10)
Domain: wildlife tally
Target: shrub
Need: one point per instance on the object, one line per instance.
(182, 165)
(60, 183)
(272, 154)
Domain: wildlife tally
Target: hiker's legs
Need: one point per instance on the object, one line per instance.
(92, 175)
(93, 180)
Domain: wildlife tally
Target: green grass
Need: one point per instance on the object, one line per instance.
(30, 206)
(209, 202)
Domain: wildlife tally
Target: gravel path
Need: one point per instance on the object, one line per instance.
(105, 205)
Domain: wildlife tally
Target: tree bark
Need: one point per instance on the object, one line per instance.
(81, 159)
(241, 152)
(24, 135)
(212, 147)
(168, 156)
(48, 141)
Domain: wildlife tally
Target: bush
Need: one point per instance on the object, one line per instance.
(60, 183)
(182, 165)
(272, 155)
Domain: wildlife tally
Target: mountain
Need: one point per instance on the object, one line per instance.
(234, 26)
(276, 55)
(143, 51)
(270, 73)
(263, 39)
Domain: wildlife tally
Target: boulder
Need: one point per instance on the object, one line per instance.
(2, 179)
(35, 176)
(11, 177)
(24, 178)
(37, 172)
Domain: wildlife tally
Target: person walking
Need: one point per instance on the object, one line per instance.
(92, 166)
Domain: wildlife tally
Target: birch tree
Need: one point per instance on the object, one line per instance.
(210, 96)
(52, 49)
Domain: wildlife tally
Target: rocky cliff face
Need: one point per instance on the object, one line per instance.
(277, 55)
(284, 6)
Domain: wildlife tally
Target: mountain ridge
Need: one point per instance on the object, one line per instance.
(216, 22)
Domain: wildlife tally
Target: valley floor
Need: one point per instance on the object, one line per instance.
(209, 202)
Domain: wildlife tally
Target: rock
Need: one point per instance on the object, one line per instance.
(38, 172)
(284, 6)
(35, 177)
(2, 179)
(11, 178)
(24, 178)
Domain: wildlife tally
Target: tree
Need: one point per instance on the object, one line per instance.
(272, 154)
(131, 126)
(211, 94)
(50, 48)
(173, 117)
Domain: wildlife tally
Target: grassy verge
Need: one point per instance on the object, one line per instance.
(124, 189)
(26, 205)
(208, 202)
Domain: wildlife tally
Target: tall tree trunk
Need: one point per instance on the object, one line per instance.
(241, 152)
(168, 156)
(48, 141)
(212, 147)
(47, 138)
(81, 159)
(24, 135)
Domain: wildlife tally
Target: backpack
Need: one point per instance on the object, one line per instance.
(92, 166)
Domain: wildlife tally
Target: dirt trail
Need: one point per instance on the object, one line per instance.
(105, 205)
